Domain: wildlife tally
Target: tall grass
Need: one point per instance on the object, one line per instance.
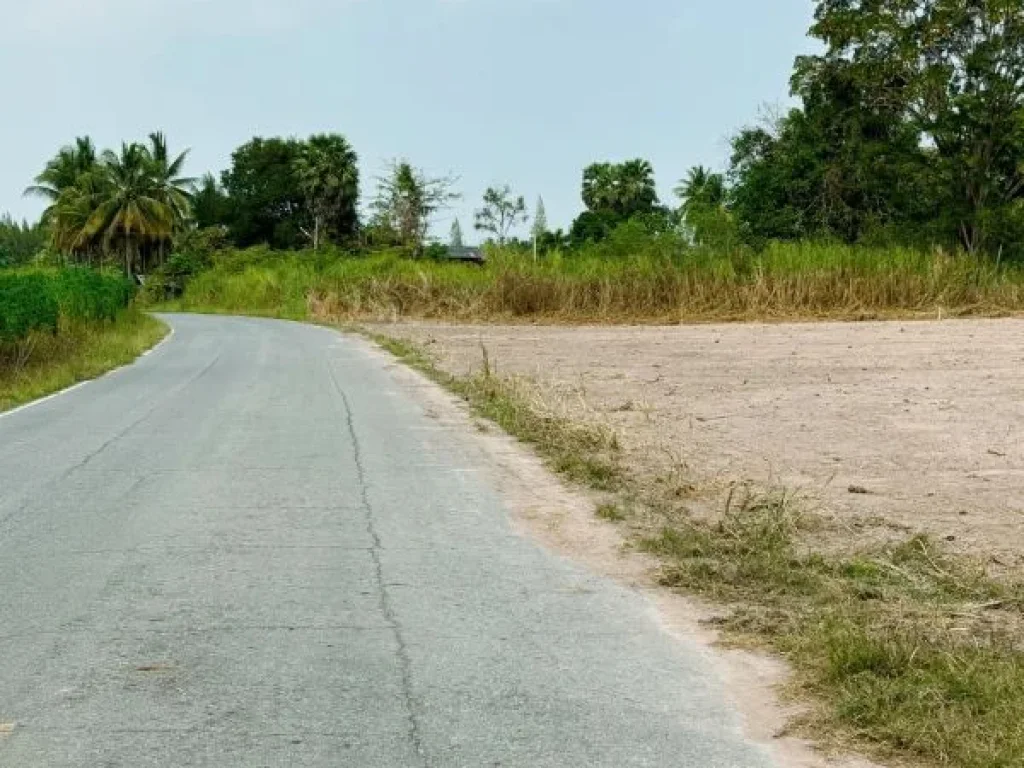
(46, 362)
(599, 284)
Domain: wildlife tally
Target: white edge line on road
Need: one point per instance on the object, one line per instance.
(81, 384)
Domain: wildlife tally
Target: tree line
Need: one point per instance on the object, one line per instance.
(909, 131)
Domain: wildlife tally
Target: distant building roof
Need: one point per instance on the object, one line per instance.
(466, 253)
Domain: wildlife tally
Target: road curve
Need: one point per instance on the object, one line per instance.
(250, 548)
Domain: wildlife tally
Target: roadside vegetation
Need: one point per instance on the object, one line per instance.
(627, 280)
(59, 327)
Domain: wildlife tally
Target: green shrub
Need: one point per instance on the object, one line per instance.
(27, 303)
(38, 300)
(85, 294)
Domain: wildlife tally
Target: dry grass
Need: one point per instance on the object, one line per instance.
(656, 284)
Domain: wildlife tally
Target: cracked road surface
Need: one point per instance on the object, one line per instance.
(252, 548)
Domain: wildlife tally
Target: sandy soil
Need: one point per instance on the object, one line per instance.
(888, 426)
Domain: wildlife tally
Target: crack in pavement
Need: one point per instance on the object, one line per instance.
(88, 458)
(386, 608)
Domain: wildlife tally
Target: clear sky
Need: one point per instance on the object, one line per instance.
(526, 92)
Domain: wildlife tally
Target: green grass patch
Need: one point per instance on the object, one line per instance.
(911, 649)
(45, 362)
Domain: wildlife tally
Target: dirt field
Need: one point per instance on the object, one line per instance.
(885, 426)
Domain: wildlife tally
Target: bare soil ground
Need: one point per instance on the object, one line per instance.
(887, 427)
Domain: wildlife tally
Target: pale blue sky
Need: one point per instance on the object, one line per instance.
(520, 91)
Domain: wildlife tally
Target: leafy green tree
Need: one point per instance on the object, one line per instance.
(837, 168)
(614, 194)
(622, 190)
(406, 201)
(501, 212)
(328, 174)
(19, 242)
(211, 207)
(950, 70)
(267, 202)
(704, 208)
(455, 238)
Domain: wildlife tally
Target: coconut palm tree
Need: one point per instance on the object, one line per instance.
(701, 189)
(131, 208)
(64, 184)
(132, 202)
(176, 190)
(64, 170)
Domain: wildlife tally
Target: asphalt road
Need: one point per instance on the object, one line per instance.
(251, 548)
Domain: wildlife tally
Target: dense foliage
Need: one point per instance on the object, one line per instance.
(36, 300)
(19, 242)
(909, 132)
(125, 205)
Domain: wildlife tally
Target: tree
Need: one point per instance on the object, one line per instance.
(540, 220)
(406, 201)
(175, 190)
(268, 204)
(501, 212)
(19, 242)
(837, 168)
(614, 194)
(210, 205)
(704, 210)
(953, 72)
(328, 175)
(131, 208)
(64, 170)
(622, 190)
(701, 190)
(131, 202)
(455, 239)
(540, 225)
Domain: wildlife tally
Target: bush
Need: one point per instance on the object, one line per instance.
(38, 300)
(27, 303)
(85, 294)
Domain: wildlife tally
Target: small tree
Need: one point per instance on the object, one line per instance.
(540, 225)
(327, 172)
(455, 240)
(501, 212)
(406, 201)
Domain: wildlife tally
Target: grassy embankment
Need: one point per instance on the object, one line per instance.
(598, 285)
(907, 650)
(58, 328)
